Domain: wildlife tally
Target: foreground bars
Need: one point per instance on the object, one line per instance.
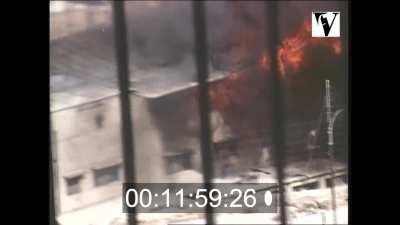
(52, 206)
(278, 133)
(200, 37)
(122, 58)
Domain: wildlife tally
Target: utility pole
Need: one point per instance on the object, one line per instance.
(330, 145)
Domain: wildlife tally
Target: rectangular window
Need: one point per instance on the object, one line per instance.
(308, 186)
(74, 185)
(176, 162)
(106, 175)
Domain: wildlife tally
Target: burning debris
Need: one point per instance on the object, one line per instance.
(244, 94)
(160, 38)
(291, 54)
(165, 98)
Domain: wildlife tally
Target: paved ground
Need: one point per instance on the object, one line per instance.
(302, 209)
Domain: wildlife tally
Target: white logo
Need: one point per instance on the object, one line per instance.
(325, 24)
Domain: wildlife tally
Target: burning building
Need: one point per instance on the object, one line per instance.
(85, 104)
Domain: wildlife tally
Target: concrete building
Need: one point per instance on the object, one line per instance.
(87, 140)
(85, 115)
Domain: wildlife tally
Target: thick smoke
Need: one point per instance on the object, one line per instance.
(161, 33)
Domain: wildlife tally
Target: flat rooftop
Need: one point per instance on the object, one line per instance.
(83, 69)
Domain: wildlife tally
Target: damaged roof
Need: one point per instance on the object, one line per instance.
(83, 69)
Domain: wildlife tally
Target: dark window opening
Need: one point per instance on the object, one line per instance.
(106, 175)
(99, 120)
(228, 156)
(308, 186)
(73, 185)
(176, 162)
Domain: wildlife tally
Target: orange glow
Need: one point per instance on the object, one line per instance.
(291, 51)
(264, 61)
(337, 47)
(234, 76)
(241, 87)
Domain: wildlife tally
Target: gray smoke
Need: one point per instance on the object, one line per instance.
(161, 33)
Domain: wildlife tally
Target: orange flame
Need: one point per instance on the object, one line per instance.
(291, 51)
(239, 87)
(234, 76)
(264, 61)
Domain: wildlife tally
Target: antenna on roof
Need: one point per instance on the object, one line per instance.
(330, 120)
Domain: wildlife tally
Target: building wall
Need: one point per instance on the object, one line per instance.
(67, 19)
(149, 146)
(82, 147)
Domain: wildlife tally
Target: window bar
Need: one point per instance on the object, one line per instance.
(52, 206)
(201, 54)
(347, 48)
(278, 132)
(122, 58)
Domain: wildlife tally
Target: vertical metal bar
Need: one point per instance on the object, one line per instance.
(278, 133)
(347, 52)
(122, 59)
(52, 205)
(54, 156)
(201, 54)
